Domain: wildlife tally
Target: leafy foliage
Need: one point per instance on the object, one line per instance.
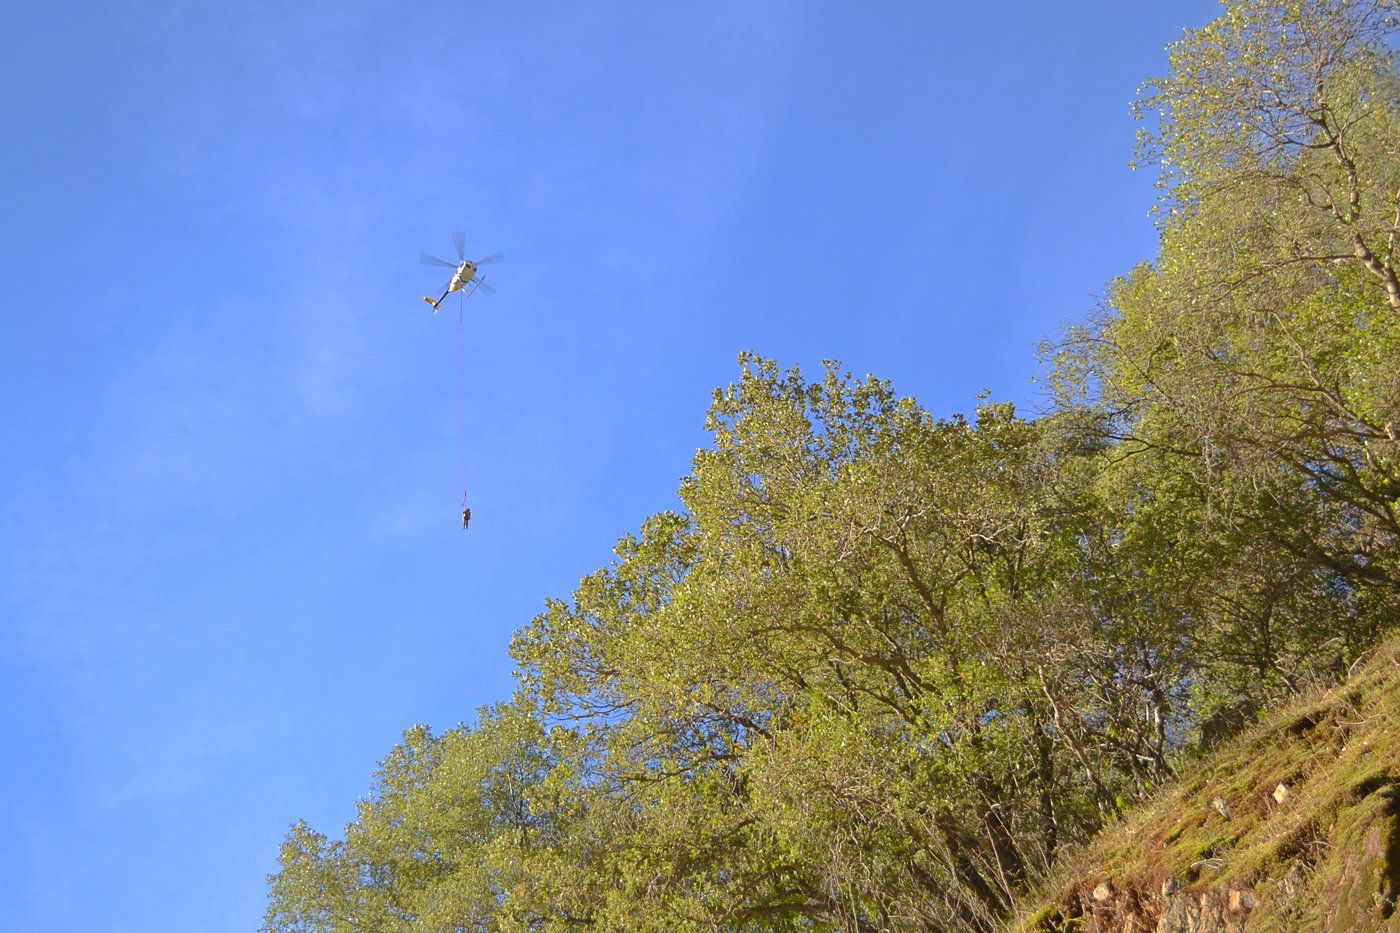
(882, 669)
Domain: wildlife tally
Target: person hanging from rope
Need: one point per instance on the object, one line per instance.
(466, 518)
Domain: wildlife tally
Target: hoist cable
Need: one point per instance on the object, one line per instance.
(462, 387)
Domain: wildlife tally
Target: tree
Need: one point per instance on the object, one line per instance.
(829, 659)
(1278, 121)
(1250, 377)
(441, 842)
(875, 676)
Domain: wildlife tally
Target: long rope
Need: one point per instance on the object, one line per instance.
(462, 386)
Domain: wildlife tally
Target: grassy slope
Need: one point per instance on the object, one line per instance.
(1321, 854)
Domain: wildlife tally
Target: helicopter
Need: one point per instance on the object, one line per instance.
(465, 276)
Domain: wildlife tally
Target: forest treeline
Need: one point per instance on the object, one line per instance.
(882, 669)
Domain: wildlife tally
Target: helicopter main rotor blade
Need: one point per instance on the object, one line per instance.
(485, 289)
(494, 257)
(459, 240)
(427, 260)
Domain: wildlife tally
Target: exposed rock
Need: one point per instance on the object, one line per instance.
(1241, 900)
(1220, 806)
(1188, 913)
(1281, 794)
(1292, 883)
(1103, 892)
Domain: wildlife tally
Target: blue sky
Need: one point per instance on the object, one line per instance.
(231, 569)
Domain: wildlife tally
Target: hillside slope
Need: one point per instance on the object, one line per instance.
(1292, 827)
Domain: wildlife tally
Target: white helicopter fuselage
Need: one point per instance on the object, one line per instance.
(463, 276)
